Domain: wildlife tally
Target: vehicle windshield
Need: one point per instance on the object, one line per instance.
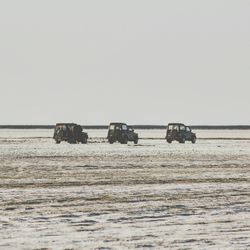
(118, 127)
(111, 127)
(124, 127)
(173, 127)
(183, 128)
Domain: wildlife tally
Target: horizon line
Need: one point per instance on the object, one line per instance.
(140, 126)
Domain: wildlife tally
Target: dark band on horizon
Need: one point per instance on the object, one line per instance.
(240, 127)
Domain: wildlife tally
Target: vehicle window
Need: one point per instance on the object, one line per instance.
(170, 127)
(112, 127)
(124, 127)
(188, 129)
(175, 127)
(130, 129)
(117, 128)
(182, 127)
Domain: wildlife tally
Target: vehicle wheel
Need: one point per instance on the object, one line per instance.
(169, 141)
(193, 139)
(57, 142)
(182, 140)
(84, 140)
(111, 141)
(136, 141)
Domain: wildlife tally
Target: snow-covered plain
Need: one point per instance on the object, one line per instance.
(100, 196)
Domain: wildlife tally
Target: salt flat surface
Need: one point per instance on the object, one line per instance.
(143, 133)
(100, 196)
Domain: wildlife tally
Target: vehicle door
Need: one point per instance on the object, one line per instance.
(183, 131)
(111, 130)
(131, 133)
(188, 133)
(125, 131)
(118, 131)
(174, 131)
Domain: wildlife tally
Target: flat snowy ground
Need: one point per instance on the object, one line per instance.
(100, 196)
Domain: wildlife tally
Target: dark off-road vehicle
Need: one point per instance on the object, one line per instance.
(70, 132)
(122, 133)
(179, 132)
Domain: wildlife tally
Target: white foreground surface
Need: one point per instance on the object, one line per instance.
(153, 195)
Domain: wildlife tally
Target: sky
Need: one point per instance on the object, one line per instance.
(135, 61)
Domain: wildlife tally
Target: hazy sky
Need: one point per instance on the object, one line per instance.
(137, 61)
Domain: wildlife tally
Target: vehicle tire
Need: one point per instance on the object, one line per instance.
(193, 139)
(136, 141)
(182, 140)
(169, 141)
(72, 141)
(84, 140)
(111, 141)
(57, 142)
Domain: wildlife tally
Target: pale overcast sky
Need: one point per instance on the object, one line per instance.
(137, 61)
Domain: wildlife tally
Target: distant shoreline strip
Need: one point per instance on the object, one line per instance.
(141, 138)
(217, 127)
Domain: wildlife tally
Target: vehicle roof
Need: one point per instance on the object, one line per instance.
(117, 123)
(59, 124)
(176, 124)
